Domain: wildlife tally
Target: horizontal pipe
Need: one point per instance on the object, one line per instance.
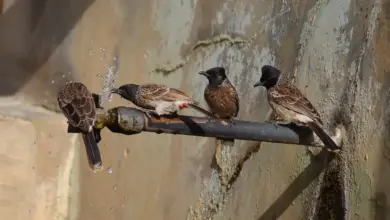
(127, 120)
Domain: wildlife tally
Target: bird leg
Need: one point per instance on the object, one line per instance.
(231, 123)
(172, 115)
(276, 119)
(175, 114)
(278, 122)
(149, 113)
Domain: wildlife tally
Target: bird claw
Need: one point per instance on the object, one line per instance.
(280, 122)
(231, 123)
(270, 121)
(149, 113)
(174, 114)
(277, 122)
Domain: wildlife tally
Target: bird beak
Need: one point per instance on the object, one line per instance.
(204, 73)
(258, 84)
(115, 90)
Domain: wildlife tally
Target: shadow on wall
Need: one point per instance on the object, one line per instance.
(380, 204)
(312, 171)
(31, 30)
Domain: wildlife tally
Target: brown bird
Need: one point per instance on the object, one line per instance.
(220, 95)
(78, 106)
(223, 101)
(158, 99)
(292, 106)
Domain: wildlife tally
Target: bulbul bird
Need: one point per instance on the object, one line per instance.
(158, 99)
(220, 95)
(78, 106)
(223, 101)
(292, 106)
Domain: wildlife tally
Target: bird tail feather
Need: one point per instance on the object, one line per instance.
(328, 141)
(204, 111)
(93, 152)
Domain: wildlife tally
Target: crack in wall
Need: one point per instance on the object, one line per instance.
(306, 34)
(240, 164)
(333, 200)
(214, 196)
(220, 39)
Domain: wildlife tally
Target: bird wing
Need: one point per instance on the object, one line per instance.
(78, 106)
(157, 92)
(152, 92)
(291, 98)
(236, 101)
(176, 95)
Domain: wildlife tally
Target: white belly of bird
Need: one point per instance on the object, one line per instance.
(164, 107)
(289, 115)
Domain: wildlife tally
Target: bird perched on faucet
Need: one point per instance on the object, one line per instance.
(158, 99)
(292, 106)
(78, 106)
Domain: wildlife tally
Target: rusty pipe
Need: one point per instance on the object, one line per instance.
(129, 121)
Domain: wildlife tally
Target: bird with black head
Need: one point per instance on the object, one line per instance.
(223, 101)
(291, 105)
(158, 99)
(220, 95)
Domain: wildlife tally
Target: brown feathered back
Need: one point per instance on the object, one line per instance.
(78, 106)
(292, 98)
(161, 92)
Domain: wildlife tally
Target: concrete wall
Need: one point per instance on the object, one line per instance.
(335, 51)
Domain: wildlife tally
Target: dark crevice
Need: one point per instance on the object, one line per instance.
(240, 164)
(330, 203)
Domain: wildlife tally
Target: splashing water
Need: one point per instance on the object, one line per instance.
(110, 78)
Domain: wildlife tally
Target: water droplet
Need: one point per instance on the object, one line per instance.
(111, 209)
(109, 170)
(110, 78)
(126, 152)
(91, 52)
(114, 188)
(114, 58)
(52, 81)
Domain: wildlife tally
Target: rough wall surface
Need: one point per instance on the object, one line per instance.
(335, 51)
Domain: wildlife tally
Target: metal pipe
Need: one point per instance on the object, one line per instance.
(129, 121)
